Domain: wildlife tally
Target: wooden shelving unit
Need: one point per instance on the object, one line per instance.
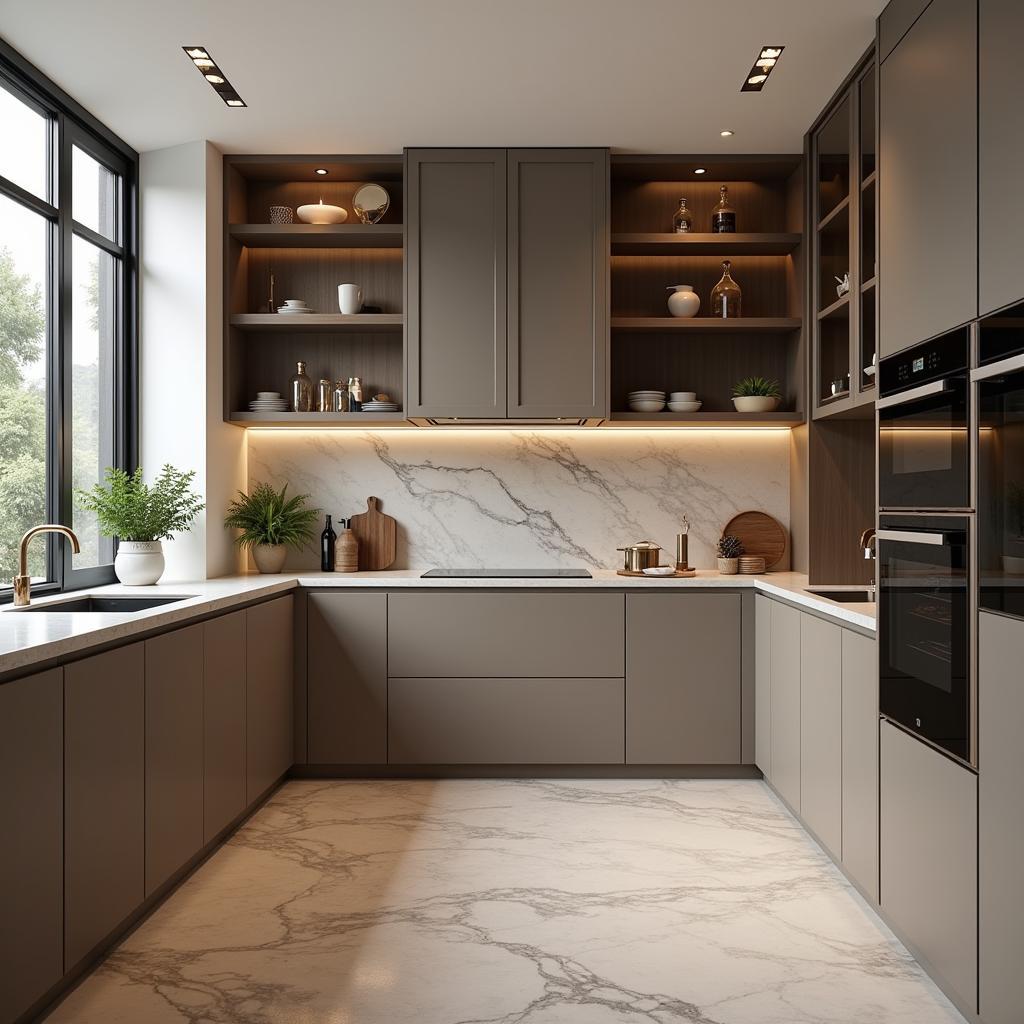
(778, 243)
(318, 236)
(707, 419)
(317, 419)
(700, 325)
(330, 323)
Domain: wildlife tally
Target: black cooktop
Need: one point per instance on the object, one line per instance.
(506, 574)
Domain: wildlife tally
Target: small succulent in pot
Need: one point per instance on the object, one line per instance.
(729, 550)
(271, 522)
(756, 394)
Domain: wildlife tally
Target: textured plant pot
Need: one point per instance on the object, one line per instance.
(755, 403)
(269, 557)
(683, 301)
(139, 563)
(728, 566)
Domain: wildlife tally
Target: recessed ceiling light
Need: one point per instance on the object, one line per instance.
(763, 66)
(321, 170)
(772, 51)
(234, 103)
(215, 79)
(700, 170)
(197, 52)
(203, 62)
(207, 66)
(756, 79)
(725, 133)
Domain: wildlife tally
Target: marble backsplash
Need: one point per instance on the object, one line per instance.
(518, 499)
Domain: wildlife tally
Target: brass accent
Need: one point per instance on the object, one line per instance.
(23, 582)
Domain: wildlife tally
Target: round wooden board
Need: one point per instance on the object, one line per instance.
(760, 534)
(675, 575)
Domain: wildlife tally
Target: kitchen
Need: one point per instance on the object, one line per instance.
(500, 570)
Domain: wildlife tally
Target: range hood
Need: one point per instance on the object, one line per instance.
(561, 422)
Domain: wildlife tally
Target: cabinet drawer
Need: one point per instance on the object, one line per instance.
(508, 635)
(506, 721)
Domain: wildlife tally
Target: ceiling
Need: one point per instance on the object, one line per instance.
(372, 76)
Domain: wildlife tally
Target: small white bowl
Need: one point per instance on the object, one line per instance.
(659, 570)
(322, 213)
(755, 403)
(683, 396)
(647, 394)
(649, 405)
(684, 406)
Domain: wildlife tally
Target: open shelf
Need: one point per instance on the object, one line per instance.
(317, 419)
(318, 322)
(731, 325)
(778, 243)
(318, 236)
(708, 419)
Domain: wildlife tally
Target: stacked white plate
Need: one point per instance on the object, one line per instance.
(646, 401)
(374, 406)
(268, 401)
(293, 307)
(683, 401)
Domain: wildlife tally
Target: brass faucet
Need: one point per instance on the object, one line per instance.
(23, 582)
(867, 543)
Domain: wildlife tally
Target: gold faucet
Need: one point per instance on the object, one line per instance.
(23, 582)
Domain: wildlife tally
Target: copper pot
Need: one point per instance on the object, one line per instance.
(640, 556)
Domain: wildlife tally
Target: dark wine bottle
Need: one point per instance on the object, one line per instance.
(327, 539)
(723, 216)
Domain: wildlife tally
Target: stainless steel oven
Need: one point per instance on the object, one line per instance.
(924, 616)
(923, 426)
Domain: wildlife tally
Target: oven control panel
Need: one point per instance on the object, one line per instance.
(932, 360)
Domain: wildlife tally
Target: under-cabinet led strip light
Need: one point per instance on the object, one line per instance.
(207, 67)
(762, 68)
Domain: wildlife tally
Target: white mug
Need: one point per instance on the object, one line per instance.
(350, 298)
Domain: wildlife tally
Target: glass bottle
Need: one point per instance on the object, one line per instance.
(682, 222)
(723, 216)
(355, 394)
(726, 296)
(341, 396)
(301, 389)
(325, 396)
(327, 539)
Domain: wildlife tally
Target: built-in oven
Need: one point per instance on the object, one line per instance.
(924, 426)
(924, 614)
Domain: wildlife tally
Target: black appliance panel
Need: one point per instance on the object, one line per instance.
(1001, 335)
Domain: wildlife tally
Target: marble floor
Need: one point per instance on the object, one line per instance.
(505, 902)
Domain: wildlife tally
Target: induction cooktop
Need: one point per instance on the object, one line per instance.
(506, 574)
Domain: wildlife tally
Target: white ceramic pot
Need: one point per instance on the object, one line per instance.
(269, 557)
(683, 301)
(322, 213)
(350, 298)
(728, 566)
(139, 563)
(755, 403)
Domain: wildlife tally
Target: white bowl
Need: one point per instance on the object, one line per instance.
(683, 396)
(649, 405)
(659, 570)
(268, 394)
(322, 213)
(657, 395)
(755, 403)
(684, 406)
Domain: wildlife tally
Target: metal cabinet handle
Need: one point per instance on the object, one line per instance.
(936, 387)
(1011, 365)
(915, 537)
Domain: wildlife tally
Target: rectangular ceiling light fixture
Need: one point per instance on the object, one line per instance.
(207, 67)
(758, 74)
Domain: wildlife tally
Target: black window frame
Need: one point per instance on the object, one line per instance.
(73, 126)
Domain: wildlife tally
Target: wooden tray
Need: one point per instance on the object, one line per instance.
(377, 536)
(760, 534)
(675, 575)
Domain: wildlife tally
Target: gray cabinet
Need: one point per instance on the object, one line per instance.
(683, 678)
(31, 853)
(455, 207)
(929, 859)
(785, 702)
(104, 795)
(860, 761)
(763, 684)
(269, 694)
(223, 722)
(821, 730)
(927, 177)
(1000, 154)
(174, 752)
(558, 262)
(1000, 818)
(347, 670)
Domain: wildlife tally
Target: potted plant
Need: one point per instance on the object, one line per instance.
(756, 394)
(1013, 558)
(141, 517)
(271, 522)
(729, 550)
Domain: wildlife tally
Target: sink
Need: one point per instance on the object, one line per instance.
(100, 603)
(849, 596)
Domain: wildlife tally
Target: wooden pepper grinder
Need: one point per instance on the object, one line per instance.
(346, 549)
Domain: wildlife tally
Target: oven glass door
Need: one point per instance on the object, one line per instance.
(1001, 493)
(923, 614)
(923, 451)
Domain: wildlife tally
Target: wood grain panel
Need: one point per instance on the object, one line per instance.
(262, 195)
(650, 205)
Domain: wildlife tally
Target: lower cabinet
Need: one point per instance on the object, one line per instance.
(785, 702)
(174, 752)
(763, 684)
(929, 859)
(104, 795)
(683, 679)
(31, 852)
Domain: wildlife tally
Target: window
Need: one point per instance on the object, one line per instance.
(67, 314)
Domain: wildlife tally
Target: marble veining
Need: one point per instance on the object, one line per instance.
(468, 498)
(513, 902)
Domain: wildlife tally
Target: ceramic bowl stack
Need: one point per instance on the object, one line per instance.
(268, 401)
(380, 404)
(683, 401)
(294, 307)
(646, 401)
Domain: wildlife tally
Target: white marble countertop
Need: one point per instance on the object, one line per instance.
(32, 638)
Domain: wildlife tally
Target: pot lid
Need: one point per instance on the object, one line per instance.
(643, 545)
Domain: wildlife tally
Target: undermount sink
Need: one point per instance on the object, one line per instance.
(99, 603)
(850, 596)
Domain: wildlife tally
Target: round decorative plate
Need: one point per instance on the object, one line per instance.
(760, 534)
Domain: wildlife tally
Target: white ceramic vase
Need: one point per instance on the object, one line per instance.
(755, 403)
(139, 563)
(269, 558)
(683, 301)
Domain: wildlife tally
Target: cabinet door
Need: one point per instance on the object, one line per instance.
(928, 177)
(31, 853)
(763, 684)
(1000, 817)
(558, 282)
(174, 752)
(1000, 154)
(223, 722)
(821, 730)
(785, 662)
(348, 678)
(929, 859)
(104, 795)
(860, 761)
(268, 694)
(455, 205)
(683, 694)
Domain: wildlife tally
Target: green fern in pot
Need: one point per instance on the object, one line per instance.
(756, 394)
(270, 523)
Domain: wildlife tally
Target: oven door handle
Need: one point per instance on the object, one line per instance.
(1010, 365)
(936, 387)
(917, 537)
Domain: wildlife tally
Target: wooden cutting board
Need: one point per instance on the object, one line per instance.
(377, 535)
(760, 534)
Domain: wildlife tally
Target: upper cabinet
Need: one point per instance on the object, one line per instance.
(928, 175)
(506, 285)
